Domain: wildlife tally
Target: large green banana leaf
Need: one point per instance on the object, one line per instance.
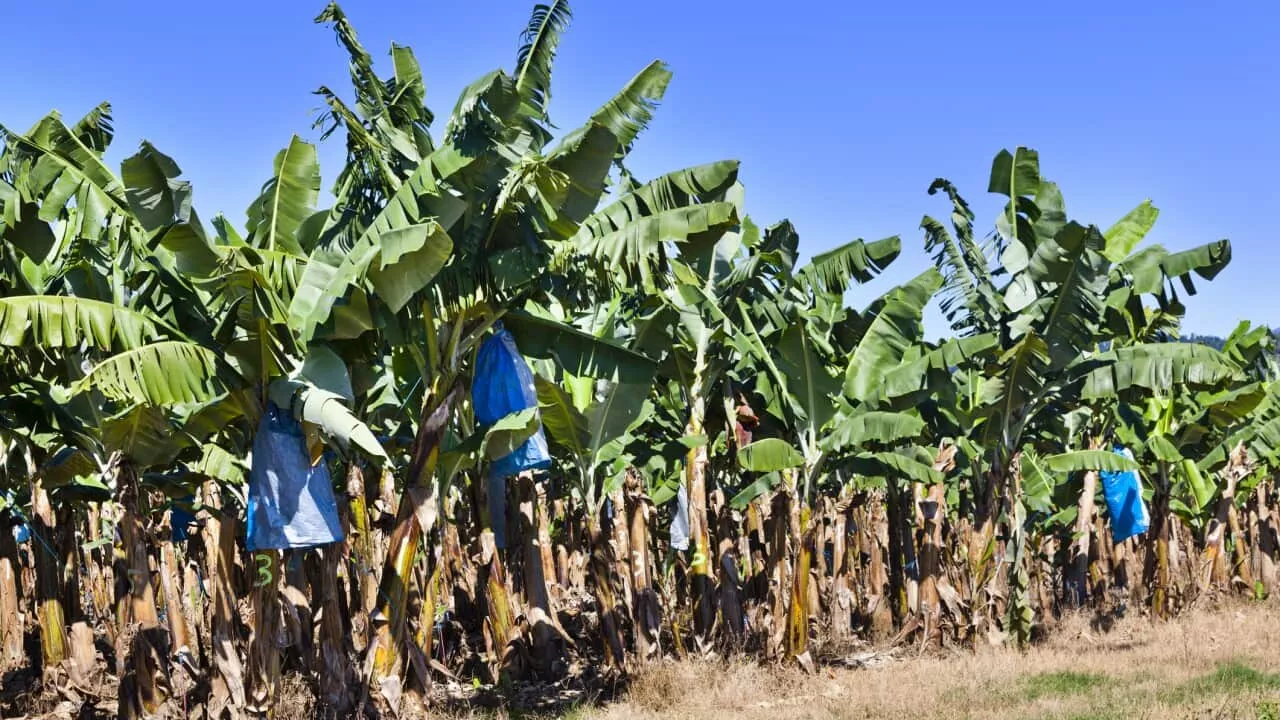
(769, 455)
(895, 328)
(68, 322)
(328, 411)
(169, 372)
(287, 199)
(1156, 366)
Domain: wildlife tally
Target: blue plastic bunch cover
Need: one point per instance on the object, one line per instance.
(680, 520)
(291, 503)
(181, 518)
(503, 385)
(1123, 492)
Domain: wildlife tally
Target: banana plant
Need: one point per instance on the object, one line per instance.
(441, 239)
(1053, 318)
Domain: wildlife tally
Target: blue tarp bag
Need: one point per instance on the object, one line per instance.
(1124, 501)
(291, 502)
(680, 520)
(504, 385)
(181, 518)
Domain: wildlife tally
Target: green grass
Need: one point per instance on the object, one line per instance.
(1228, 680)
(1233, 678)
(1060, 684)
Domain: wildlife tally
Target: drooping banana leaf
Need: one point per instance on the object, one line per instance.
(577, 352)
(835, 270)
(1156, 366)
(67, 322)
(769, 455)
(871, 427)
(890, 334)
(328, 411)
(170, 372)
(1082, 460)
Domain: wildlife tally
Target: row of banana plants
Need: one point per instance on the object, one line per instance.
(742, 462)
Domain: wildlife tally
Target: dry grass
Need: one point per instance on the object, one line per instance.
(1219, 664)
(295, 700)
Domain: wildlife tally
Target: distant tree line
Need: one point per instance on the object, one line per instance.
(1215, 341)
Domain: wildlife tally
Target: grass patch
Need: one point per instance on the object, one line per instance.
(1061, 684)
(1096, 715)
(1232, 678)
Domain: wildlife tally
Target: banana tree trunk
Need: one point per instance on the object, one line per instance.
(415, 518)
(227, 691)
(144, 688)
(1156, 574)
(541, 612)
(49, 599)
(899, 540)
(98, 565)
(702, 585)
(362, 581)
(1078, 567)
(546, 551)
(981, 546)
(730, 591)
(337, 676)
(182, 643)
(841, 599)
(11, 626)
(265, 635)
(602, 578)
(647, 611)
(798, 611)
(779, 567)
(69, 563)
(620, 550)
(140, 647)
(82, 656)
(932, 509)
(180, 633)
(879, 596)
(1213, 560)
(1264, 533)
(299, 616)
(138, 602)
(1041, 572)
(424, 637)
(1241, 570)
(1102, 564)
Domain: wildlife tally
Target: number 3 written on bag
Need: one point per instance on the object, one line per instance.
(264, 569)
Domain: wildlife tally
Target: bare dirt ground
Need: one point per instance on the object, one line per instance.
(1222, 663)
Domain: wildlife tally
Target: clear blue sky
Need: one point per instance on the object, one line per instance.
(842, 112)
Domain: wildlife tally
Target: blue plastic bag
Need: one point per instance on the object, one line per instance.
(1124, 501)
(181, 518)
(291, 502)
(504, 385)
(680, 520)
